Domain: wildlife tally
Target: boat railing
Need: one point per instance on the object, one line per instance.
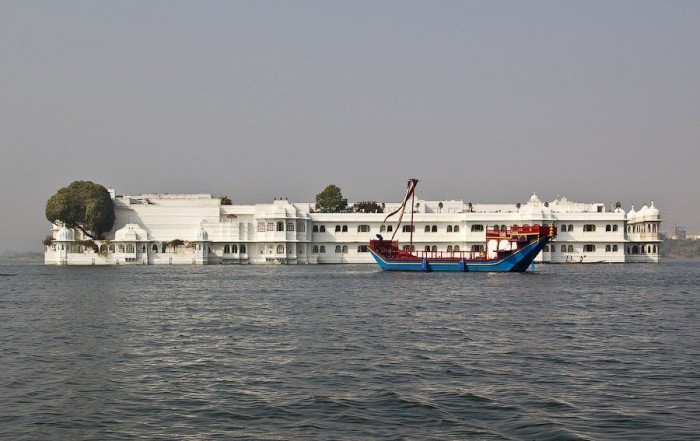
(463, 255)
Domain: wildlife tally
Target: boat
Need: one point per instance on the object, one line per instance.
(515, 248)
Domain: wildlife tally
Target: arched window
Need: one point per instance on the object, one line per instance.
(570, 249)
(614, 227)
(563, 228)
(337, 228)
(322, 229)
(449, 248)
(635, 249)
(389, 228)
(234, 248)
(243, 251)
(654, 249)
(382, 229)
(608, 228)
(130, 248)
(608, 248)
(121, 248)
(456, 248)
(434, 248)
(571, 228)
(154, 248)
(345, 228)
(280, 226)
(434, 229)
(614, 248)
(227, 249)
(407, 228)
(315, 249)
(449, 228)
(290, 226)
(345, 249)
(280, 249)
(456, 229)
(648, 248)
(503, 227)
(314, 229)
(427, 248)
(322, 249)
(546, 249)
(563, 248)
(427, 228)
(589, 228)
(338, 249)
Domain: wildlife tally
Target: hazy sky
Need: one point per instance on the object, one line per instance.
(483, 101)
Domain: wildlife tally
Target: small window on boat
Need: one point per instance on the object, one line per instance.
(449, 248)
(546, 249)
(571, 228)
(614, 227)
(227, 249)
(503, 227)
(608, 248)
(434, 248)
(477, 227)
(314, 229)
(496, 228)
(608, 227)
(563, 248)
(322, 229)
(345, 228)
(234, 248)
(345, 248)
(427, 248)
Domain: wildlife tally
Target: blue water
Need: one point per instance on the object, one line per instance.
(348, 352)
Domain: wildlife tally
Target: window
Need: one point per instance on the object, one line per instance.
(280, 226)
(503, 227)
(338, 249)
(570, 249)
(589, 248)
(434, 248)
(477, 227)
(434, 229)
(614, 227)
(382, 229)
(121, 248)
(608, 228)
(589, 228)
(456, 248)
(243, 249)
(322, 229)
(337, 228)
(314, 249)
(408, 229)
(614, 248)
(449, 248)
(290, 226)
(345, 248)
(477, 248)
(654, 248)
(563, 248)
(563, 228)
(648, 248)
(234, 248)
(362, 249)
(154, 248)
(345, 228)
(389, 228)
(270, 226)
(608, 248)
(314, 229)
(261, 227)
(227, 249)
(322, 249)
(449, 228)
(571, 228)
(546, 249)
(363, 228)
(280, 249)
(143, 248)
(408, 248)
(456, 229)
(301, 227)
(427, 248)
(427, 228)
(130, 248)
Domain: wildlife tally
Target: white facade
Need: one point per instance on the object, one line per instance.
(293, 233)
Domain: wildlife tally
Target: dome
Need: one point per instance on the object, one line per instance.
(130, 233)
(534, 199)
(65, 234)
(653, 211)
(202, 235)
(631, 214)
(644, 211)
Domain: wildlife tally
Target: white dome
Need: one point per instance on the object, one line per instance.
(534, 199)
(130, 233)
(65, 234)
(202, 235)
(653, 211)
(631, 214)
(644, 211)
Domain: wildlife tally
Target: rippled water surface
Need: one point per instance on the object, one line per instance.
(348, 352)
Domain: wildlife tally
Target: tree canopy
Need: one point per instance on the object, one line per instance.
(368, 207)
(83, 205)
(331, 200)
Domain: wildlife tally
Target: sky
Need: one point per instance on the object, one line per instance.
(482, 101)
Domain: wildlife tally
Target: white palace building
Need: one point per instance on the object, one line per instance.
(206, 232)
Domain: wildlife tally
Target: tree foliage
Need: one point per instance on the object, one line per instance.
(368, 207)
(331, 200)
(83, 205)
(225, 200)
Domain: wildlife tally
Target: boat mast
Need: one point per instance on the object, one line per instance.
(413, 196)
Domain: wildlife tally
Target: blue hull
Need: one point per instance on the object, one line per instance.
(519, 261)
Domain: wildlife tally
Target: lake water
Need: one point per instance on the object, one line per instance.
(348, 352)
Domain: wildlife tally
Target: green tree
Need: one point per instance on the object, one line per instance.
(331, 200)
(225, 200)
(83, 205)
(367, 207)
